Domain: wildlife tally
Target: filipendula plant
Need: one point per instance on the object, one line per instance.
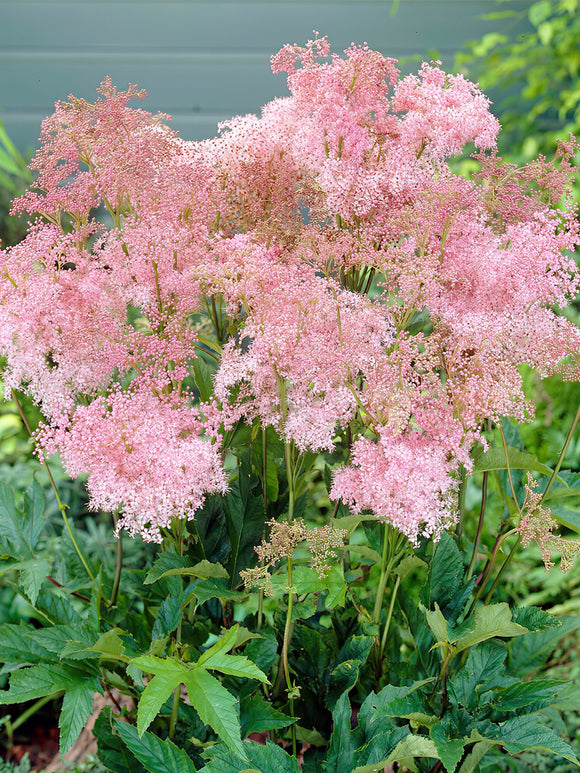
(280, 355)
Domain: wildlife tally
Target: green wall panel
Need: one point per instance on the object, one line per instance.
(200, 61)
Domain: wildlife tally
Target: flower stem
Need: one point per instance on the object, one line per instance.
(479, 525)
(62, 507)
(389, 616)
(562, 453)
(288, 630)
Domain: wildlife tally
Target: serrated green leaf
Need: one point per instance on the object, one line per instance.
(517, 696)
(342, 745)
(202, 570)
(157, 755)
(495, 459)
(32, 574)
(235, 665)
(18, 644)
(34, 682)
(33, 519)
(245, 520)
(566, 517)
(224, 644)
(522, 733)
(473, 759)
(215, 588)
(257, 715)
(533, 649)
(408, 749)
(449, 750)
(77, 706)
(535, 619)
(163, 564)
(168, 616)
(488, 622)
(268, 758)
(446, 573)
(110, 645)
(216, 707)
(169, 673)
(112, 751)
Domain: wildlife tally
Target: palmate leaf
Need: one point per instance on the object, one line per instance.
(157, 755)
(216, 707)
(214, 704)
(487, 622)
(169, 673)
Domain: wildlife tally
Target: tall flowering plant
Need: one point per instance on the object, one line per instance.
(280, 353)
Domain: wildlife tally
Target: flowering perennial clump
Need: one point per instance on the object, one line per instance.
(344, 284)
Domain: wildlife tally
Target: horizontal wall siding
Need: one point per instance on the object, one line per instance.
(201, 62)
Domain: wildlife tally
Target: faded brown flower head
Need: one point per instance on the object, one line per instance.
(537, 524)
(284, 539)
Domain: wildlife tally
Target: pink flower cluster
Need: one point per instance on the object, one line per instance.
(353, 290)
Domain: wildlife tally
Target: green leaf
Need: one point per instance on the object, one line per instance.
(449, 750)
(202, 570)
(408, 565)
(224, 644)
(216, 707)
(272, 485)
(535, 619)
(28, 684)
(438, 624)
(168, 675)
(215, 588)
(257, 715)
(18, 644)
(32, 574)
(269, 758)
(495, 459)
(406, 750)
(533, 649)
(112, 751)
(11, 524)
(446, 573)
(522, 733)
(162, 565)
(34, 519)
(77, 706)
(517, 696)
(477, 753)
(342, 745)
(203, 378)
(245, 519)
(235, 665)
(157, 755)
(110, 645)
(365, 551)
(168, 616)
(566, 517)
(488, 622)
